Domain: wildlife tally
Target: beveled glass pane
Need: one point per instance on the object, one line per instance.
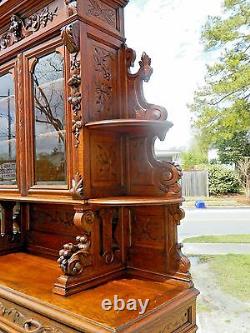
(7, 130)
(48, 83)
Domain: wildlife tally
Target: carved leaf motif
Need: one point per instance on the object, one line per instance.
(105, 14)
(103, 89)
(77, 187)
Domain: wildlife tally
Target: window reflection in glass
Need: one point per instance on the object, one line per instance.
(48, 83)
(7, 130)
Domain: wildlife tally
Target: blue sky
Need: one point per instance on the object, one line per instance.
(169, 31)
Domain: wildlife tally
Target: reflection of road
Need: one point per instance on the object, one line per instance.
(215, 222)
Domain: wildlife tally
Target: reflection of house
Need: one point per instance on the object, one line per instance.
(168, 155)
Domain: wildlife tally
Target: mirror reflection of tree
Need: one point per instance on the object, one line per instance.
(7, 130)
(48, 82)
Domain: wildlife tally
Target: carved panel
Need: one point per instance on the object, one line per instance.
(102, 12)
(25, 322)
(103, 81)
(21, 27)
(105, 160)
(148, 227)
(141, 172)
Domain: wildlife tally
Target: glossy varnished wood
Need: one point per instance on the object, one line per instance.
(109, 226)
(41, 273)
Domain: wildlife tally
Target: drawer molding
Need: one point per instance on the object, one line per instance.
(30, 325)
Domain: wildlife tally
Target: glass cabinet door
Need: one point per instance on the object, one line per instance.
(49, 120)
(7, 130)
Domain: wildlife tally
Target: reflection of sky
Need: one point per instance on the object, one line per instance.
(7, 88)
(169, 31)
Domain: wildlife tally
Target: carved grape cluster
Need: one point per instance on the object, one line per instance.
(72, 257)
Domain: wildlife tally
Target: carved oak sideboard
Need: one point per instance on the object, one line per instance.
(87, 211)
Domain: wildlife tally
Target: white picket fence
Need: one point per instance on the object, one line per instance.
(195, 183)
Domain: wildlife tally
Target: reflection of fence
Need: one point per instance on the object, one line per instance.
(195, 183)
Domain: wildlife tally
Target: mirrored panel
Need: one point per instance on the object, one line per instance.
(7, 130)
(49, 140)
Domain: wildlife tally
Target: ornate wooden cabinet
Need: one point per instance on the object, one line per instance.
(78, 177)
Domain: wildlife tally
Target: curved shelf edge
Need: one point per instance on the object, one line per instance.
(134, 201)
(132, 126)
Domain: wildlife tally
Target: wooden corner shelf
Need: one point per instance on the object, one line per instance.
(132, 126)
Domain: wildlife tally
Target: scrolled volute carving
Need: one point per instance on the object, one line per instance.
(74, 258)
(137, 102)
(168, 175)
(182, 261)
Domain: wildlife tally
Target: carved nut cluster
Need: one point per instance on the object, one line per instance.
(73, 258)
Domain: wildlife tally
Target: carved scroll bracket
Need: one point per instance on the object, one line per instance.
(181, 263)
(71, 39)
(167, 176)
(74, 258)
(136, 99)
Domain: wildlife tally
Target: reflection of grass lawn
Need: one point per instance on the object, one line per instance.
(219, 239)
(232, 273)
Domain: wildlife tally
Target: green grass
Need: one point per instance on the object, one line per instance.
(232, 274)
(219, 239)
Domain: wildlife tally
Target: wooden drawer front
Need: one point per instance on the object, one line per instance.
(15, 319)
(180, 320)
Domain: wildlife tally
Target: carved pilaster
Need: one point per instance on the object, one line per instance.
(137, 104)
(71, 39)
